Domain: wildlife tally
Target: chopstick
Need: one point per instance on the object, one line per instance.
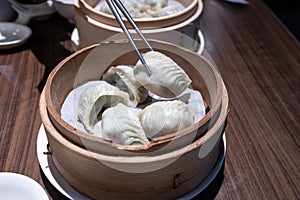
(113, 4)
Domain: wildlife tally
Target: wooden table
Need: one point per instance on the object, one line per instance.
(260, 64)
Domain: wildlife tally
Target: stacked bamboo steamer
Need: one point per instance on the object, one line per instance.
(169, 167)
(92, 9)
(95, 26)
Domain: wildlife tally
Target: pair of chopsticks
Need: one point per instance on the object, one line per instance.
(116, 6)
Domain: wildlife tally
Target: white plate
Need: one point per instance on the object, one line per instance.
(62, 186)
(13, 35)
(75, 41)
(15, 186)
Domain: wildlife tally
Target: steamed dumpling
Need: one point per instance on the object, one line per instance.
(134, 7)
(165, 117)
(135, 4)
(167, 79)
(168, 10)
(94, 99)
(147, 8)
(122, 77)
(156, 4)
(122, 126)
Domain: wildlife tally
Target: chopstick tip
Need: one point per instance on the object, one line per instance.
(148, 71)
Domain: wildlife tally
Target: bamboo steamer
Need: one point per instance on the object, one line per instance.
(91, 62)
(183, 33)
(89, 8)
(165, 176)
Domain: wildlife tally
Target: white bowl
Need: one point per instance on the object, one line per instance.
(19, 187)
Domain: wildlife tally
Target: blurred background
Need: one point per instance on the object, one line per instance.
(288, 11)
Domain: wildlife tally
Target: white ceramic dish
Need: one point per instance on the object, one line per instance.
(16, 187)
(13, 35)
(64, 188)
(75, 40)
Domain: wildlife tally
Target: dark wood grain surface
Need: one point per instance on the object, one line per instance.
(260, 64)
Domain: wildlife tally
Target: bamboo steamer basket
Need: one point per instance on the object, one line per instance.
(165, 176)
(91, 9)
(184, 33)
(91, 62)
